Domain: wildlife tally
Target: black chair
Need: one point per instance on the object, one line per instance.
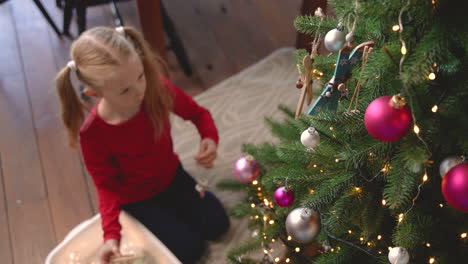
(80, 6)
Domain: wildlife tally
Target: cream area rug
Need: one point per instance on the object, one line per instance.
(238, 106)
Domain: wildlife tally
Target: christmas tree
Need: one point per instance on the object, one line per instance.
(374, 171)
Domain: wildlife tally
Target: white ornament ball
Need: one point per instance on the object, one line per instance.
(398, 255)
(335, 39)
(449, 163)
(310, 138)
(303, 225)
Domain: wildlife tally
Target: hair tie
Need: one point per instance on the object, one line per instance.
(120, 30)
(72, 65)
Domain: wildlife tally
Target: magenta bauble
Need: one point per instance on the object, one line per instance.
(283, 197)
(246, 169)
(386, 122)
(455, 187)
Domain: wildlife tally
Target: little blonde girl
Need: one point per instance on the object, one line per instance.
(127, 147)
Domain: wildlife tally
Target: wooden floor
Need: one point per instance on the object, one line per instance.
(44, 189)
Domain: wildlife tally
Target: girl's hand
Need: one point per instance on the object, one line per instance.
(207, 153)
(109, 249)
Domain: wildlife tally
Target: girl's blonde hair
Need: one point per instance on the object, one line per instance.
(95, 52)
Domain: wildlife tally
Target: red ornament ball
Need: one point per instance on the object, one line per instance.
(455, 187)
(386, 122)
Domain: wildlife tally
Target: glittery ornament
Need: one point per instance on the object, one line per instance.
(246, 169)
(303, 225)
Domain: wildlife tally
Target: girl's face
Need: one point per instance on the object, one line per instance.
(126, 88)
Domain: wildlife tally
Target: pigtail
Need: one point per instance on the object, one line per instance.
(158, 99)
(72, 109)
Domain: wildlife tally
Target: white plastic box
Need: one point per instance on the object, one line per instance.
(81, 245)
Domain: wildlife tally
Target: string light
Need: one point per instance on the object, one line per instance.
(400, 217)
(369, 244)
(463, 235)
(265, 218)
(431, 260)
(288, 260)
(256, 217)
(395, 27)
(416, 129)
(297, 249)
(277, 259)
(441, 205)
(252, 205)
(331, 128)
(271, 222)
(321, 170)
(255, 182)
(349, 231)
(431, 76)
(361, 238)
(259, 188)
(337, 160)
(428, 244)
(289, 238)
(425, 178)
(384, 202)
(315, 165)
(357, 189)
(265, 251)
(379, 237)
(403, 50)
(435, 108)
(311, 191)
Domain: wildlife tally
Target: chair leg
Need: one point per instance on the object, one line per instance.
(81, 14)
(67, 16)
(176, 42)
(118, 21)
(46, 15)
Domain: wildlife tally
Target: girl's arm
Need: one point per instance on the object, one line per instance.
(188, 109)
(97, 161)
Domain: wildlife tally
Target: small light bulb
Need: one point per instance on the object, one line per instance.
(416, 129)
(431, 76)
(256, 217)
(273, 240)
(252, 205)
(332, 249)
(431, 260)
(288, 260)
(337, 160)
(396, 27)
(321, 170)
(361, 238)
(277, 259)
(384, 202)
(289, 238)
(369, 244)
(428, 244)
(425, 178)
(357, 189)
(311, 191)
(349, 231)
(315, 165)
(400, 217)
(441, 205)
(255, 182)
(403, 50)
(265, 251)
(379, 237)
(265, 218)
(271, 222)
(435, 108)
(463, 235)
(331, 128)
(298, 249)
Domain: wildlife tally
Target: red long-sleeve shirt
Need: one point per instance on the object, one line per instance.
(125, 161)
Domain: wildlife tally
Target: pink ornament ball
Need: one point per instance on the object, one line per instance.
(385, 122)
(246, 169)
(455, 187)
(283, 197)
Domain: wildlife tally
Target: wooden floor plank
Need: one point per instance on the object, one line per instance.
(66, 186)
(5, 238)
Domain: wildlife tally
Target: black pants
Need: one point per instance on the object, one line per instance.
(180, 218)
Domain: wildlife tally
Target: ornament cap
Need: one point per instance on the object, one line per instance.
(398, 101)
(311, 130)
(340, 26)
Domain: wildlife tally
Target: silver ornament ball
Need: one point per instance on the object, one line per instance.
(398, 255)
(303, 224)
(310, 138)
(335, 39)
(449, 163)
